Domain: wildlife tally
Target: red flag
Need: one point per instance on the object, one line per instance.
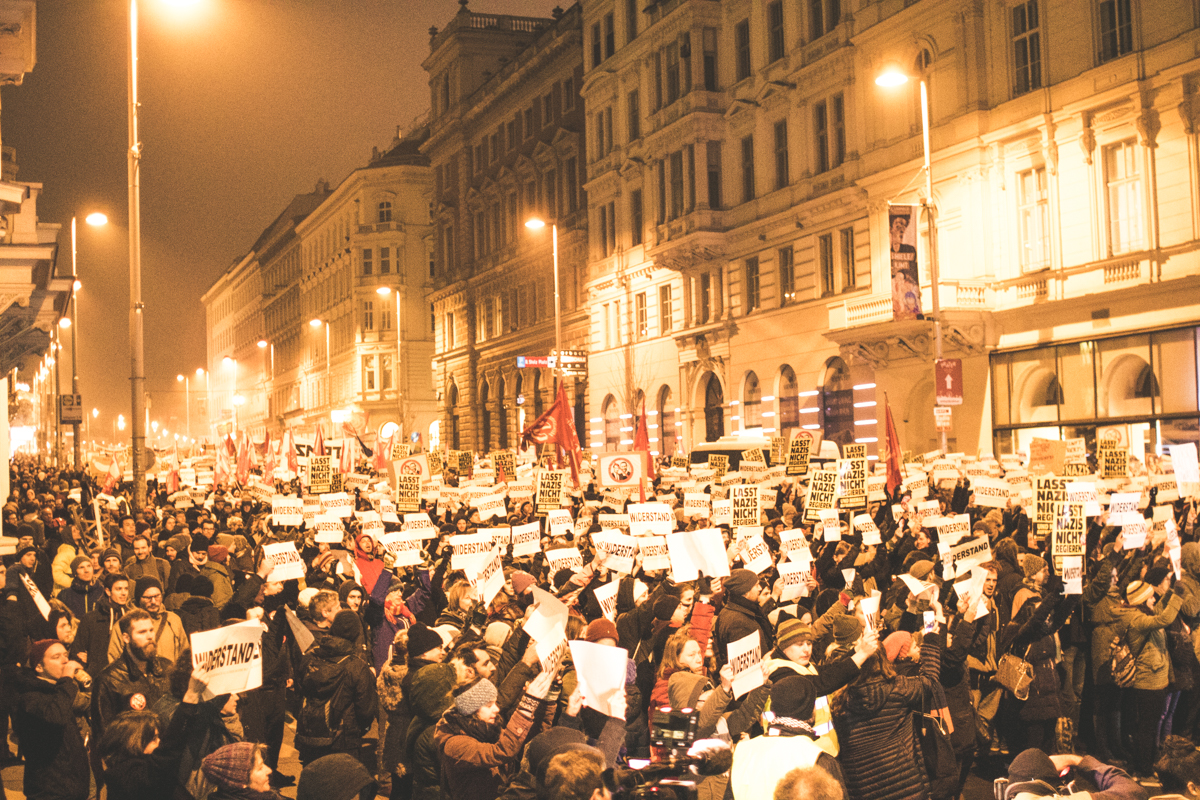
(319, 442)
(290, 451)
(383, 449)
(641, 444)
(243, 458)
(556, 426)
(221, 468)
(114, 475)
(346, 465)
(269, 461)
(891, 454)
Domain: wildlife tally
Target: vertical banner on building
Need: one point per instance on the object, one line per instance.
(906, 283)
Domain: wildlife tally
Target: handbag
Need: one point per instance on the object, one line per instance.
(940, 762)
(1015, 674)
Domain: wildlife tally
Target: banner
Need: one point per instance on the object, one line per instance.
(744, 657)
(906, 283)
(526, 539)
(287, 511)
(231, 657)
(286, 564)
(408, 493)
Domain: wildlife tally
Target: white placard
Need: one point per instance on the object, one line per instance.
(418, 523)
(600, 670)
(696, 504)
(337, 504)
(486, 574)
(990, 492)
(231, 657)
(564, 558)
(745, 659)
(722, 512)
(468, 548)
(606, 596)
(329, 530)
(559, 522)
(1072, 574)
(650, 519)
(286, 564)
(655, 555)
(756, 556)
(693, 552)
(526, 539)
(865, 527)
(287, 511)
(404, 548)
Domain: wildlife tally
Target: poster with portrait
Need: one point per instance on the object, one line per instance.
(906, 281)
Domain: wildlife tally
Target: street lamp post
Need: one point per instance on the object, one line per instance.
(232, 362)
(187, 399)
(535, 224)
(207, 394)
(137, 376)
(890, 78)
(95, 219)
(316, 322)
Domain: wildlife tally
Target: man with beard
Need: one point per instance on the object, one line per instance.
(97, 626)
(136, 678)
(170, 638)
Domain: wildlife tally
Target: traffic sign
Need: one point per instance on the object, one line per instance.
(941, 418)
(534, 361)
(574, 362)
(70, 409)
(949, 379)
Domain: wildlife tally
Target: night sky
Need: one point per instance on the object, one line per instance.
(244, 104)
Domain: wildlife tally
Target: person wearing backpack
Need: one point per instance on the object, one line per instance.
(1102, 596)
(338, 692)
(1142, 623)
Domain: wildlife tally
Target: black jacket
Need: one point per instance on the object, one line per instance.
(93, 634)
(123, 686)
(739, 618)
(332, 673)
(151, 777)
(81, 597)
(199, 614)
(56, 760)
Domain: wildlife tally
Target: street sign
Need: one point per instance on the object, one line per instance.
(534, 361)
(941, 418)
(949, 379)
(70, 409)
(574, 362)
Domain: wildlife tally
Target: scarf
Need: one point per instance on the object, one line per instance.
(392, 609)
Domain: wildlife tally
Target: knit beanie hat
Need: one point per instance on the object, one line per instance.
(143, 584)
(339, 776)
(896, 644)
(421, 639)
(199, 543)
(794, 697)
(37, 652)
(739, 582)
(664, 607)
(598, 629)
(1032, 564)
(76, 561)
(472, 697)
(218, 553)
(109, 553)
(230, 766)
(521, 581)
(497, 634)
(1032, 765)
(180, 542)
(346, 626)
(791, 632)
(846, 629)
(921, 569)
(1138, 592)
(1157, 574)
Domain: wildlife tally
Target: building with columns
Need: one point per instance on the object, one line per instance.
(741, 165)
(506, 144)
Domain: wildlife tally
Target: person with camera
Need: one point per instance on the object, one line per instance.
(1035, 774)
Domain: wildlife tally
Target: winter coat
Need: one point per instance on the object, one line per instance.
(81, 597)
(739, 618)
(1148, 640)
(390, 696)
(169, 635)
(93, 635)
(477, 759)
(222, 584)
(199, 614)
(761, 762)
(122, 686)
(60, 568)
(152, 567)
(56, 760)
(874, 719)
(153, 776)
(420, 745)
(331, 673)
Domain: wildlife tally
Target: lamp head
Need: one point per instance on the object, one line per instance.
(316, 323)
(384, 290)
(262, 343)
(96, 219)
(535, 223)
(891, 76)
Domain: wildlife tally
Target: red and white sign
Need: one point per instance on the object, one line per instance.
(941, 418)
(949, 381)
(621, 469)
(413, 465)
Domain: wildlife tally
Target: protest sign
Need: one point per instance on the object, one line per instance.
(320, 473)
(468, 547)
(621, 469)
(620, 550)
(1046, 455)
(1084, 493)
(696, 504)
(551, 653)
(954, 529)
(756, 556)
(1050, 490)
(822, 490)
(791, 540)
(1072, 574)
(798, 455)
(744, 505)
(312, 508)
(526, 540)
(1187, 470)
(500, 537)
(1068, 531)
(925, 512)
(404, 547)
(852, 483)
(722, 512)
(865, 527)
(795, 576)
(549, 491)
(600, 671)
(303, 636)
(959, 558)
(876, 488)
(286, 564)
(1114, 461)
(745, 659)
(1134, 533)
(1123, 508)
(606, 596)
(491, 506)
(990, 492)
(420, 525)
(613, 522)
(719, 462)
(287, 511)
(558, 522)
(329, 530)
(408, 493)
(654, 553)
(548, 620)
(412, 465)
(651, 519)
(231, 658)
(486, 575)
(693, 552)
(505, 465)
(337, 504)
(829, 524)
(564, 558)
(869, 606)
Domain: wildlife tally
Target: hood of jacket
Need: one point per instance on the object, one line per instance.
(327, 666)
(79, 587)
(1189, 558)
(194, 603)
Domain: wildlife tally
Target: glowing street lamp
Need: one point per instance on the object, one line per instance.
(534, 224)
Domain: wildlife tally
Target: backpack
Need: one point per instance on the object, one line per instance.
(314, 727)
(1122, 661)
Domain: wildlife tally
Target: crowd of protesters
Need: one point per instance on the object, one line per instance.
(400, 682)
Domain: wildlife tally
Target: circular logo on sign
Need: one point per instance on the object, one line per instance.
(410, 467)
(547, 431)
(620, 469)
(804, 435)
(137, 702)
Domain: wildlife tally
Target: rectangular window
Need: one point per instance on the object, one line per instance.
(1116, 28)
(572, 187)
(747, 169)
(385, 372)
(636, 223)
(676, 193)
(753, 285)
(631, 20)
(838, 124)
(665, 320)
(369, 373)
(529, 123)
(635, 117)
(662, 191)
(610, 36)
(671, 72)
(846, 251)
(824, 15)
(641, 315)
(741, 41)
(367, 262)
(608, 129)
(689, 159)
(611, 232)
(710, 59)
(385, 317)
(550, 192)
(488, 329)
(602, 230)
(658, 79)
(368, 318)
(774, 31)
(385, 260)
(568, 94)
(449, 248)
(607, 332)
(1034, 210)
(825, 260)
(713, 152)
(548, 109)
(705, 308)
(1123, 182)
(1027, 51)
(787, 276)
(597, 46)
(478, 160)
(781, 154)
(511, 135)
(821, 135)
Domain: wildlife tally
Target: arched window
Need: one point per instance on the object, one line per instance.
(837, 402)
(789, 402)
(612, 424)
(486, 417)
(666, 422)
(501, 414)
(452, 414)
(751, 402)
(714, 409)
(384, 211)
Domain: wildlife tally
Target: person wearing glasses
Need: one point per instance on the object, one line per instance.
(170, 638)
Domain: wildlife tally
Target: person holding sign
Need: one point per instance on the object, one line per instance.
(742, 614)
(339, 693)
